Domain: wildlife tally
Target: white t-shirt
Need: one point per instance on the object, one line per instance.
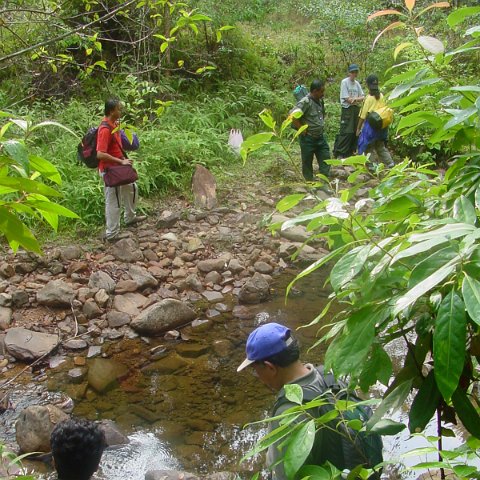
(349, 89)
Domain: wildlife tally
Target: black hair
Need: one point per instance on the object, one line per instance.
(372, 84)
(317, 84)
(286, 357)
(110, 105)
(77, 446)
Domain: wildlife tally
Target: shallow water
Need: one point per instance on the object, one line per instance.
(193, 418)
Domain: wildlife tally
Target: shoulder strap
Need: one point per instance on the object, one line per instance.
(106, 124)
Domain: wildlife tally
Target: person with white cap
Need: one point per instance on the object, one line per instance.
(351, 98)
(274, 354)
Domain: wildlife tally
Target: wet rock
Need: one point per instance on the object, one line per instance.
(192, 350)
(79, 361)
(201, 325)
(91, 309)
(170, 475)
(56, 361)
(117, 319)
(102, 281)
(104, 374)
(194, 283)
(263, 267)
(212, 264)
(168, 219)
(5, 317)
(166, 366)
(142, 277)
(77, 375)
(163, 316)
(27, 345)
(94, 351)
(255, 290)
(242, 312)
(34, 427)
(126, 250)
(130, 303)
(75, 344)
(19, 298)
(222, 348)
(212, 296)
(172, 335)
(151, 416)
(72, 252)
(56, 293)
(113, 436)
(204, 188)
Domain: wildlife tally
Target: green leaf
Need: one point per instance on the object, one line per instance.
(458, 16)
(466, 412)
(388, 427)
(49, 123)
(423, 287)
(47, 169)
(448, 232)
(51, 207)
(348, 351)
(348, 267)
(465, 471)
(377, 367)
(393, 401)
(294, 393)
(16, 232)
(254, 143)
(355, 424)
(299, 446)
(17, 152)
(459, 116)
(314, 472)
(464, 211)
(449, 338)
(289, 202)
(424, 404)
(471, 297)
(266, 117)
(432, 263)
(28, 186)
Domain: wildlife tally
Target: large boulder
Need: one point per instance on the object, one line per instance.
(163, 316)
(101, 281)
(27, 345)
(34, 426)
(113, 436)
(103, 374)
(56, 293)
(204, 188)
(255, 290)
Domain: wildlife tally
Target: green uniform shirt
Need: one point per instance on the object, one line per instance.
(312, 115)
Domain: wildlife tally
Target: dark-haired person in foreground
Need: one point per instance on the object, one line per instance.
(110, 153)
(312, 140)
(274, 354)
(77, 447)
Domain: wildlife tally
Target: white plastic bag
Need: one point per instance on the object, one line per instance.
(235, 140)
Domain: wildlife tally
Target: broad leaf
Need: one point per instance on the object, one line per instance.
(377, 367)
(424, 404)
(348, 267)
(254, 143)
(471, 297)
(449, 338)
(294, 393)
(17, 152)
(47, 169)
(464, 211)
(299, 446)
(289, 202)
(392, 26)
(458, 16)
(382, 13)
(16, 232)
(410, 4)
(28, 186)
(459, 116)
(388, 427)
(432, 263)
(466, 412)
(431, 44)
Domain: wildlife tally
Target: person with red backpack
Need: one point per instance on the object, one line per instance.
(120, 186)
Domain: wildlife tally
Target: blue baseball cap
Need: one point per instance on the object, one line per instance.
(353, 68)
(265, 341)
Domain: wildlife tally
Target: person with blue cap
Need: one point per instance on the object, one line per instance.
(351, 98)
(274, 354)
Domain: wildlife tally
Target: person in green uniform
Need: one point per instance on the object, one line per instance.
(351, 98)
(312, 140)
